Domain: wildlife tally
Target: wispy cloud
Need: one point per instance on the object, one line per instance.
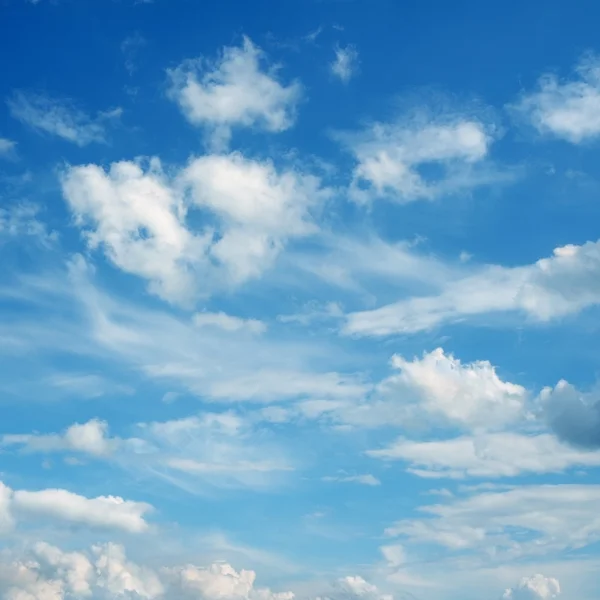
(60, 117)
(345, 65)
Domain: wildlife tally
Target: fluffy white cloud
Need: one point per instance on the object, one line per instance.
(88, 438)
(573, 415)
(259, 208)
(60, 117)
(221, 320)
(345, 64)
(110, 512)
(238, 90)
(537, 587)
(220, 581)
(569, 110)
(489, 455)
(554, 287)
(138, 218)
(49, 573)
(520, 521)
(391, 156)
(468, 395)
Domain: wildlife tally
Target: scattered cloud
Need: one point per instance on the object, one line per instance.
(221, 320)
(105, 512)
(368, 479)
(489, 455)
(60, 117)
(137, 217)
(88, 438)
(22, 221)
(239, 89)
(390, 158)
(554, 287)
(537, 587)
(526, 520)
(345, 65)
(130, 48)
(569, 110)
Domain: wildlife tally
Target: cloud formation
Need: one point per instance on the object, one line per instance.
(60, 117)
(569, 110)
(237, 90)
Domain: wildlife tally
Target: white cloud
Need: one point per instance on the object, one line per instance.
(138, 217)
(221, 320)
(551, 288)
(537, 587)
(260, 209)
(238, 90)
(521, 521)
(367, 479)
(88, 438)
(391, 156)
(573, 415)
(49, 573)
(469, 395)
(60, 117)
(569, 110)
(345, 64)
(220, 581)
(106, 512)
(489, 455)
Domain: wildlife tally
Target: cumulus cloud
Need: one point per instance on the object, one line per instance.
(138, 216)
(60, 117)
(391, 157)
(554, 287)
(520, 521)
(573, 415)
(105, 512)
(239, 89)
(466, 394)
(490, 455)
(45, 572)
(88, 438)
(537, 587)
(345, 64)
(566, 109)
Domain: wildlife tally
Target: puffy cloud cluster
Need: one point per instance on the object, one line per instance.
(537, 587)
(104, 572)
(552, 517)
(238, 90)
(138, 217)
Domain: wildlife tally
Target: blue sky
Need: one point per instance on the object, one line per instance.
(299, 299)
